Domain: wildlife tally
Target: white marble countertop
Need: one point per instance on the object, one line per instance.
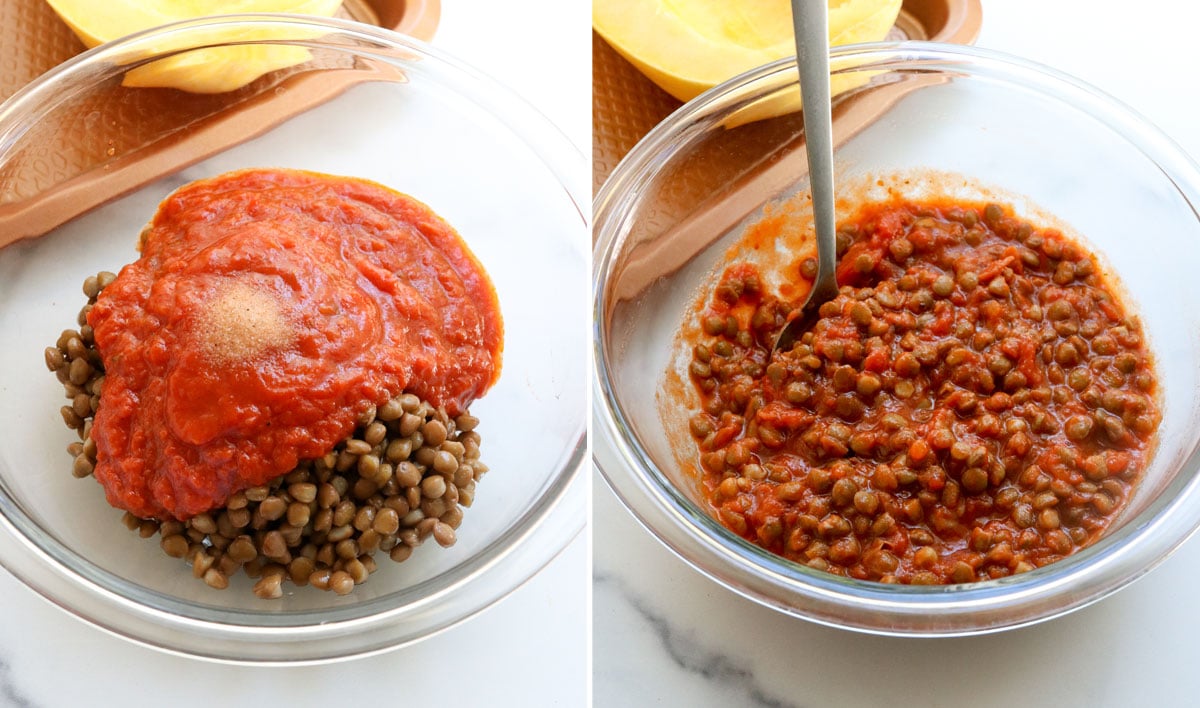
(671, 637)
(528, 650)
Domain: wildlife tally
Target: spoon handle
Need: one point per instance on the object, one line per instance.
(811, 21)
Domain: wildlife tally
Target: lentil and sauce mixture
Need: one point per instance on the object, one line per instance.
(281, 383)
(975, 402)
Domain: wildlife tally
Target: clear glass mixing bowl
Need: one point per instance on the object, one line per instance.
(404, 115)
(680, 199)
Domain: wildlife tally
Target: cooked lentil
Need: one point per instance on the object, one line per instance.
(975, 402)
(403, 476)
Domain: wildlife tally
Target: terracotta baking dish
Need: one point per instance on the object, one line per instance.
(626, 104)
(126, 137)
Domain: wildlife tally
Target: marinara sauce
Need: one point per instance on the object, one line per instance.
(976, 402)
(268, 309)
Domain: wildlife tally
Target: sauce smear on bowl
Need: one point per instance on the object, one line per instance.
(268, 309)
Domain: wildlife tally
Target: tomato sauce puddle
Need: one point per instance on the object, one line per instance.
(268, 309)
(975, 403)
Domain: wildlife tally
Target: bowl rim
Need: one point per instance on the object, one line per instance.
(157, 620)
(876, 608)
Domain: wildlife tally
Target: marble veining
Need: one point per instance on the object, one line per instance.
(10, 695)
(687, 653)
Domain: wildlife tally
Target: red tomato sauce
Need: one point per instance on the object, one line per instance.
(269, 308)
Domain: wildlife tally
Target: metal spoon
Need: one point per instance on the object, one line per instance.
(811, 20)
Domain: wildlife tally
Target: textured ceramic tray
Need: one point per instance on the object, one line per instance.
(122, 138)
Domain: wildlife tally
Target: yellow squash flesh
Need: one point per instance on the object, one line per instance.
(213, 70)
(689, 46)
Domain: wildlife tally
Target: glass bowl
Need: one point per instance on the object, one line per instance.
(916, 115)
(403, 115)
